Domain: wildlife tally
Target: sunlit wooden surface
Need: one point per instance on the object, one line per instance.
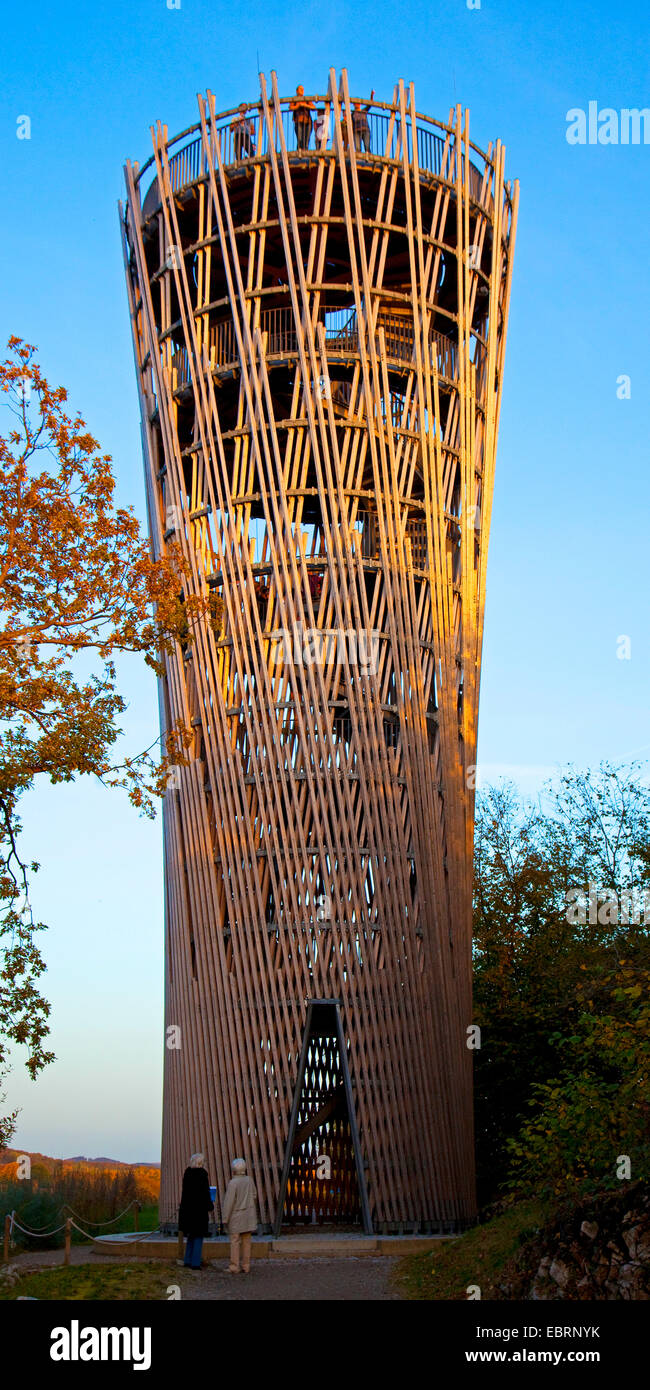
(319, 337)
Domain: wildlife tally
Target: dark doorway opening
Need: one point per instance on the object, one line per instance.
(323, 1184)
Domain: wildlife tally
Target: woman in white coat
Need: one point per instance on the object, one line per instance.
(239, 1215)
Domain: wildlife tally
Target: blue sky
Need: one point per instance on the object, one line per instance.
(569, 549)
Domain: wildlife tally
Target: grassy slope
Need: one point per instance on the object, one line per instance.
(474, 1258)
(148, 1281)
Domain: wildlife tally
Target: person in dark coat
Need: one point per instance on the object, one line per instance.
(302, 109)
(196, 1202)
(360, 126)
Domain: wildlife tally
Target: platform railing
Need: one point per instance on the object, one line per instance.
(367, 529)
(342, 339)
(378, 133)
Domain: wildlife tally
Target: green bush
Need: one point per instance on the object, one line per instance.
(38, 1211)
(597, 1113)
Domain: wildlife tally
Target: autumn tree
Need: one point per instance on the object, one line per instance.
(562, 955)
(78, 586)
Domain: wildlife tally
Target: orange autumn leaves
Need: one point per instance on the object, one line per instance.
(78, 587)
(76, 577)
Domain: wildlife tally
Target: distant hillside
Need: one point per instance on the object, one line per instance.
(109, 1162)
(10, 1156)
(97, 1188)
(102, 1182)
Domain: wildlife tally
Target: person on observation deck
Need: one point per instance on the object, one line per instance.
(196, 1202)
(301, 110)
(243, 131)
(321, 129)
(344, 128)
(239, 1214)
(360, 124)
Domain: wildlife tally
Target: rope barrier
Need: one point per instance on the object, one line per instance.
(36, 1231)
(126, 1240)
(140, 1236)
(39, 1234)
(110, 1222)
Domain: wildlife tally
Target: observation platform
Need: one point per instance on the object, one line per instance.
(387, 146)
(385, 141)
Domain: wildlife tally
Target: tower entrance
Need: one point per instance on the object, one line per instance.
(322, 1181)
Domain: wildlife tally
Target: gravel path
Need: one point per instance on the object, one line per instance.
(362, 1278)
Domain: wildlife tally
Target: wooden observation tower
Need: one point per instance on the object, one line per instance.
(319, 317)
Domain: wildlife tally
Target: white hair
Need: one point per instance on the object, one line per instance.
(197, 1160)
(238, 1165)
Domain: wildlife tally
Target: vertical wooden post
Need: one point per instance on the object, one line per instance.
(68, 1238)
(5, 1247)
(137, 1216)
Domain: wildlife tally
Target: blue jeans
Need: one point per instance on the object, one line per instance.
(193, 1248)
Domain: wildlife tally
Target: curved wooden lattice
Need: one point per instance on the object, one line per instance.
(319, 335)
